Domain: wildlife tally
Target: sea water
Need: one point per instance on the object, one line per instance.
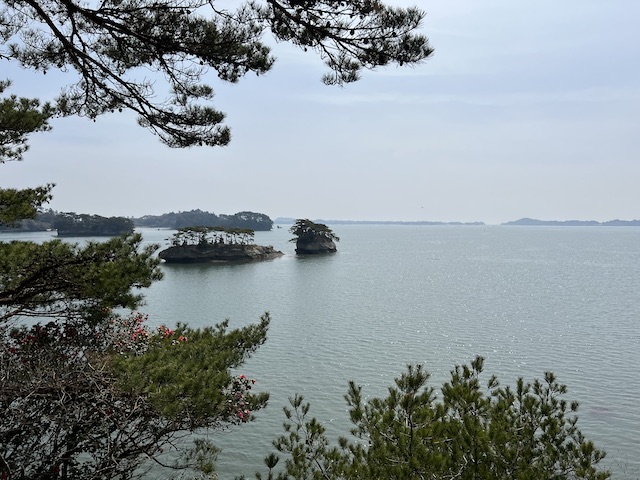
(528, 299)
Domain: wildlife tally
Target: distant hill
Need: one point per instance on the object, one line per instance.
(574, 223)
(287, 220)
(193, 218)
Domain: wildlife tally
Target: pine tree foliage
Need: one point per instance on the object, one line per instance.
(305, 231)
(21, 204)
(212, 235)
(112, 44)
(85, 391)
(185, 383)
(470, 431)
(109, 397)
(19, 117)
(99, 401)
(65, 281)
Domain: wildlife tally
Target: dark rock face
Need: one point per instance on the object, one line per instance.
(218, 253)
(316, 245)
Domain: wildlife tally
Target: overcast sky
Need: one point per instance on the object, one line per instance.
(526, 109)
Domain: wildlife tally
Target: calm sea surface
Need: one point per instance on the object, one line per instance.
(528, 299)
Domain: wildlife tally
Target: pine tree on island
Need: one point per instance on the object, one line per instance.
(312, 238)
(216, 244)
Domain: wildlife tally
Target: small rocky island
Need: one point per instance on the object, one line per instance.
(313, 238)
(215, 244)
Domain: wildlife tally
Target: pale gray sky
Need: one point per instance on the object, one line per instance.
(527, 109)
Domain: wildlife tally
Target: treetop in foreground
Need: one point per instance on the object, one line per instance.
(113, 398)
(72, 283)
(19, 117)
(469, 431)
(113, 44)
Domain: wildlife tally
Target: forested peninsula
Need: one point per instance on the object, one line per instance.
(82, 225)
(74, 224)
(70, 224)
(251, 220)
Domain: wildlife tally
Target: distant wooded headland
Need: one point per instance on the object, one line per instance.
(70, 224)
(74, 224)
(251, 220)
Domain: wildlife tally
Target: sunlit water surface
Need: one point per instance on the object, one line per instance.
(528, 299)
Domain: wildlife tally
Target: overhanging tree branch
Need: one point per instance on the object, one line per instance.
(111, 44)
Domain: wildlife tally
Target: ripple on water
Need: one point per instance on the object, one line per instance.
(527, 299)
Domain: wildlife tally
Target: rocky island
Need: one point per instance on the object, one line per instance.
(313, 238)
(216, 244)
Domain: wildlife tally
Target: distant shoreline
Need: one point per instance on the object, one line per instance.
(291, 221)
(573, 223)
(522, 222)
